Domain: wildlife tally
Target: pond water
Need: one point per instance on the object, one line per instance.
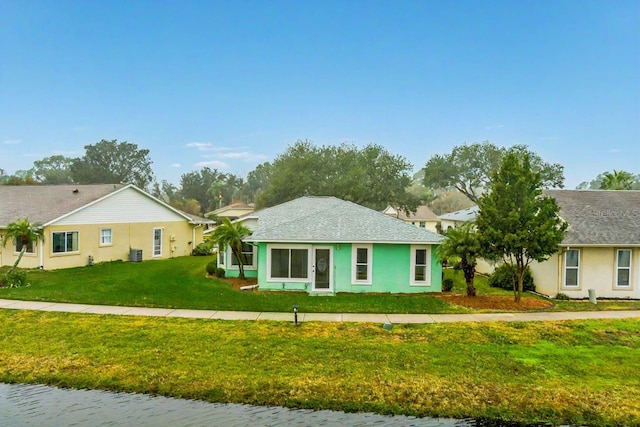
(38, 405)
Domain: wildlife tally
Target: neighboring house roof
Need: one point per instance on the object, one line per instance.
(600, 217)
(464, 215)
(422, 213)
(238, 206)
(332, 220)
(45, 204)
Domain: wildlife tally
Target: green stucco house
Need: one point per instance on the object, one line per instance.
(324, 245)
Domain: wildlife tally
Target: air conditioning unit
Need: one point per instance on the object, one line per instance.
(135, 255)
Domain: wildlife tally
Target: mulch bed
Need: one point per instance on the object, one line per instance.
(495, 302)
(237, 283)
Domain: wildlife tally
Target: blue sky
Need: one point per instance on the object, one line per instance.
(230, 84)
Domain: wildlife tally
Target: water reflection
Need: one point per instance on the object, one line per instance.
(22, 405)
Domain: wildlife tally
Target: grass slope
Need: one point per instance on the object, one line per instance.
(582, 372)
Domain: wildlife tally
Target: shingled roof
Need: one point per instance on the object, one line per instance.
(332, 220)
(599, 217)
(45, 203)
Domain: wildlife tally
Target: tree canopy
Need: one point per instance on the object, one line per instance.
(616, 180)
(231, 234)
(370, 176)
(113, 162)
(469, 168)
(53, 170)
(462, 243)
(516, 222)
(23, 233)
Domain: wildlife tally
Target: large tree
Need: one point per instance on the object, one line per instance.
(462, 243)
(516, 222)
(617, 180)
(469, 168)
(23, 233)
(53, 170)
(230, 234)
(370, 176)
(113, 162)
(197, 185)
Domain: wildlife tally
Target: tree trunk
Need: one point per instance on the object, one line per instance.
(15, 264)
(469, 271)
(519, 274)
(238, 255)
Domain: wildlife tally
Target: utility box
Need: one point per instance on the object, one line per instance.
(135, 255)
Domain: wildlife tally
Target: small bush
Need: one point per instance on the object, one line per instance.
(202, 249)
(220, 273)
(15, 279)
(505, 276)
(447, 285)
(212, 268)
(562, 297)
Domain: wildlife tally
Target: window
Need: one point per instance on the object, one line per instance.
(423, 224)
(288, 263)
(157, 242)
(105, 236)
(420, 259)
(623, 268)
(30, 248)
(246, 255)
(222, 254)
(571, 268)
(361, 264)
(66, 241)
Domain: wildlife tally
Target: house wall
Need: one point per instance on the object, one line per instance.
(429, 225)
(391, 269)
(597, 271)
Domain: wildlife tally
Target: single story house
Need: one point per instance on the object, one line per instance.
(423, 217)
(454, 219)
(325, 245)
(232, 211)
(95, 223)
(601, 249)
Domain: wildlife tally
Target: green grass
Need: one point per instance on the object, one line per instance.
(181, 283)
(580, 373)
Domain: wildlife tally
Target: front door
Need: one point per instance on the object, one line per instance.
(322, 269)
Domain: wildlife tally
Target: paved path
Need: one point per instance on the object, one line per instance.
(314, 317)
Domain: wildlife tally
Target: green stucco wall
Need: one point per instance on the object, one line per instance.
(391, 265)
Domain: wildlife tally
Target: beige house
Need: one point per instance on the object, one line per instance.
(95, 223)
(601, 249)
(423, 217)
(454, 219)
(232, 211)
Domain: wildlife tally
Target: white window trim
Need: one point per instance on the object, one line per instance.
(564, 271)
(252, 266)
(307, 279)
(153, 243)
(102, 243)
(222, 257)
(618, 268)
(427, 281)
(65, 252)
(354, 261)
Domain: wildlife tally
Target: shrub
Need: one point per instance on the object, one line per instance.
(15, 279)
(220, 273)
(202, 249)
(447, 285)
(212, 268)
(505, 276)
(563, 297)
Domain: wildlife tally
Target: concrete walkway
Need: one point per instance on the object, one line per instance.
(314, 317)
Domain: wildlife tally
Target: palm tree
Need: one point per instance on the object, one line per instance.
(231, 234)
(25, 232)
(462, 243)
(616, 180)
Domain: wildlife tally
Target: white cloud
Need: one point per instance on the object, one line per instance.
(198, 145)
(12, 141)
(494, 127)
(212, 163)
(67, 153)
(244, 155)
(176, 165)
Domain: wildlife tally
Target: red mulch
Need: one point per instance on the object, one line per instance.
(495, 302)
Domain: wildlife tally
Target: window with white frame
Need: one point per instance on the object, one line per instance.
(246, 256)
(106, 236)
(287, 263)
(222, 254)
(623, 268)
(572, 268)
(65, 241)
(361, 264)
(157, 242)
(420, 265)
(30, 247)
